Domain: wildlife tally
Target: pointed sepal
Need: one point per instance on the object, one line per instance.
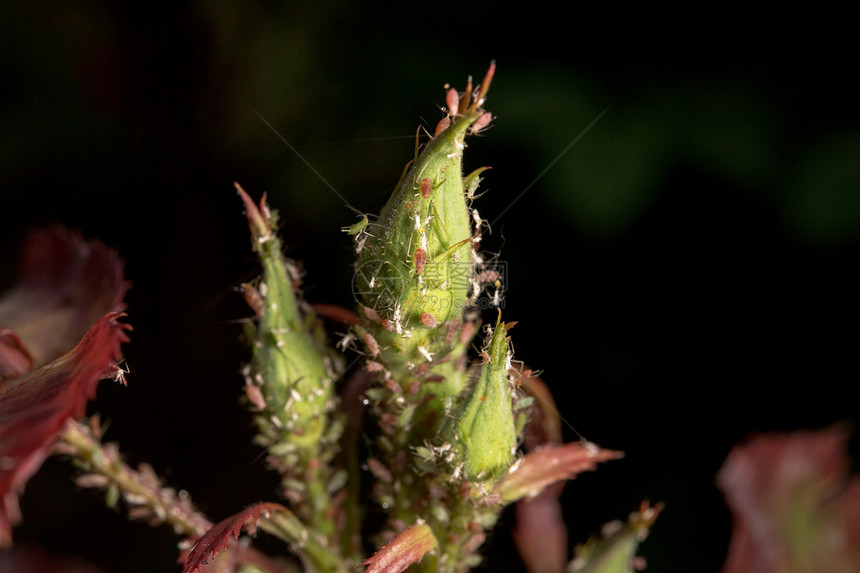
(407, 547)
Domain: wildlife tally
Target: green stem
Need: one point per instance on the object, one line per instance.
(317, 553)
(139, 488)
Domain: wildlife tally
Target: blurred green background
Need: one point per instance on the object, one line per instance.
(683, 271)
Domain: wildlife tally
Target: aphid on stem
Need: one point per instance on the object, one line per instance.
(482, 122)
(420, 259)
(452, 98)
(371, 344)
(443, 124)
(426, 187)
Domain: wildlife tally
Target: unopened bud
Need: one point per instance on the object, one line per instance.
(418, 257)
(482, 428)
(288, 368)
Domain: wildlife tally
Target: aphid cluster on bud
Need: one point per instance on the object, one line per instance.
(418, 268)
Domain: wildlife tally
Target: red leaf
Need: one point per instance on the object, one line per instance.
(32, 560)
(544, 467)
(60, 318)
(33, 409)
(216, 539)
(406, 548)
(540, 534)
(794, 507)
(15, 359)
(65, 284)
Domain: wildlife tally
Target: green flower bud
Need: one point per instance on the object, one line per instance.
(482, 429)
(416, 262)
(289, 381)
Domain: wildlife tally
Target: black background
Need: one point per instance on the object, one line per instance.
(710, 301)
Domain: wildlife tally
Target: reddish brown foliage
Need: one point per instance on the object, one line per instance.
(548, 465)
(35, 408)
(59, 335)
(65, 284)
(406, 548)
(794, 507)
(216, 539)
(540, 533)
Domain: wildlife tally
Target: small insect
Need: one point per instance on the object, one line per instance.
(426, 187)
(371, 314)
(370, 342)
(482, 122)
(359, 227)
(420, 259)
(117, 373)
(428, 320)
(452, 98)
(253, 298)
(472, 181)
(373, 366)
(255, 396)
(497, 296)
(442, 126)
(346, 341)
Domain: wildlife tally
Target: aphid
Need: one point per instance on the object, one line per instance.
(488, 276)
(253, 298)
(358, 227)
(426, 187)
(452, 98)
(413, 387)
(497, 295)
(370, 342)
(255, 396)
(359, 244)
(371, 314)
(379, 470)
(442, 126)
(373, 366)
(393, 386)
(118, 373)
(482, 122)
(346, 341)
(476, 217)
(472, 181)
(420, 259)
(428, 320)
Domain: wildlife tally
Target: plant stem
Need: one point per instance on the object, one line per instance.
(140, 488)
(317, 554)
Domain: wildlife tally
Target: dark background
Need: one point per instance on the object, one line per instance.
(684, 275)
